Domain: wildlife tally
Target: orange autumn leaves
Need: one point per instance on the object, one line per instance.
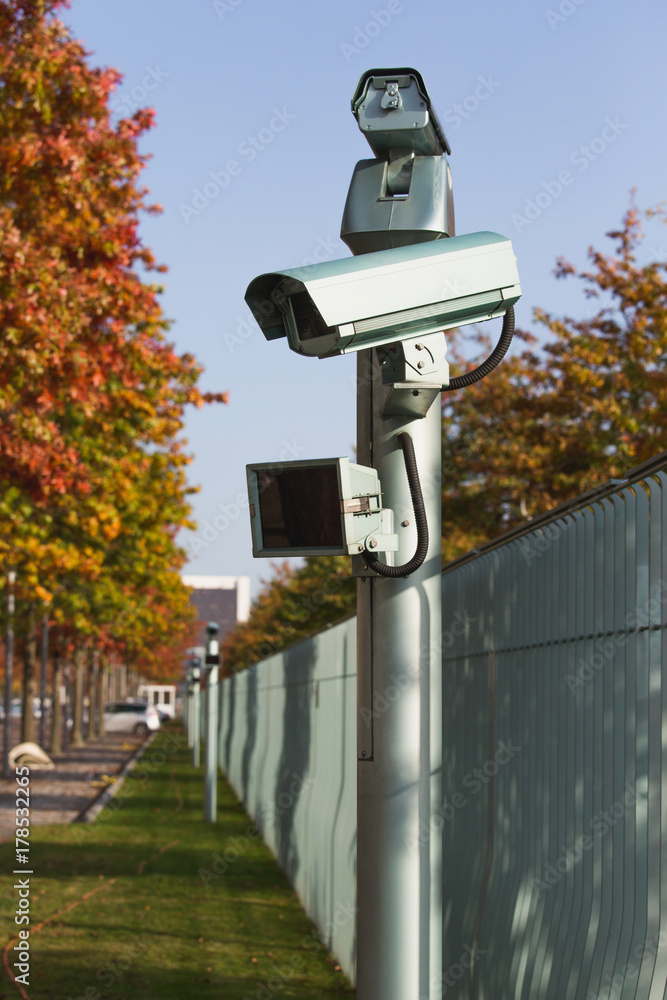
(570, 412)
(92, 394)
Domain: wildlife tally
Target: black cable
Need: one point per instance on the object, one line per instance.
(405, 442)
(496, 356)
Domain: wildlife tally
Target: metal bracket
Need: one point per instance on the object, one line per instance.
(381, 542)
(368, 503)
(413, 360)
(416, 371)
(358, 505)
(391, 99)
(410, 399)
(360, 569)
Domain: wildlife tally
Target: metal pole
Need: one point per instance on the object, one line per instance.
(195, 723)
(399, 770)
(211, 758)
(42, 682)
(189, 714)
(9, 665)
(211, 779)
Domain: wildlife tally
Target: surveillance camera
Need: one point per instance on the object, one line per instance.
(404, 196)
(394, 111)
(391, 295)
(212, 628)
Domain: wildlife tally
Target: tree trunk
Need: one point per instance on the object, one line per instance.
(67, 681)
(29, 678)
(57, 714)
(93, 730)
(102, 689)
(79, 684)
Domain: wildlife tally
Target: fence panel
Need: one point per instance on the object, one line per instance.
(555, 755)
(287, 746)
(557, 882)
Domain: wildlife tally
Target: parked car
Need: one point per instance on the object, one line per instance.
(136, 717)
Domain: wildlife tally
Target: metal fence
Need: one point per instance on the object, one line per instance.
(287, 746)
(555, 726)
(553, 813)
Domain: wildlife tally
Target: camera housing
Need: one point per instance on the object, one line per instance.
(326, 506)
(378, 298)
(403, 196)
(394, 111)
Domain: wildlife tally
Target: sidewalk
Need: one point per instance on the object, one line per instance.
(59, 796)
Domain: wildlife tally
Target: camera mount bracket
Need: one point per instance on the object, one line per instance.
(403, 196)
(416, 371)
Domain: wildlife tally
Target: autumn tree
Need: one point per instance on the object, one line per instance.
(292, 605)
(561, 416)
(92, 393)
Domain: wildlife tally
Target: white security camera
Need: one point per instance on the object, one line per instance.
(391, 295)
(404, 196)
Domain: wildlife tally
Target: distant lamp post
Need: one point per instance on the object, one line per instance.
(187, 706)
(196, 684)
(211, 770)
(9, 666)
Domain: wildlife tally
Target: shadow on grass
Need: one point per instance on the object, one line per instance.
(160, 929)
(195, 980)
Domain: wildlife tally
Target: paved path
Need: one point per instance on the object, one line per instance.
(61, 795)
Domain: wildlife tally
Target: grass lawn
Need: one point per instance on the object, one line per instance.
(132, 917)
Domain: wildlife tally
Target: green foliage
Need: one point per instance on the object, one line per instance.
(92, 394)
(587, 406)
(292, 605)
(141, 903)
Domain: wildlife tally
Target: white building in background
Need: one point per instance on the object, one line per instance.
(221, 599)
(163, 696)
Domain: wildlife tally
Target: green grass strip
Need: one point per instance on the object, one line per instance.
(157, 921)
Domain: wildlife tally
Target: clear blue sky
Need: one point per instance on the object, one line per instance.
(524, 91)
